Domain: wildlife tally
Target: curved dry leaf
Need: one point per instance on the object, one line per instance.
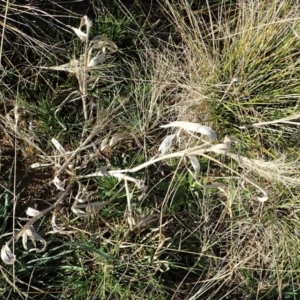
(58, 146)
(7, 256)
(58, 183)
(71, 166)
(85, 21)
(102, 42)
(31, 212)
(82, 200)
(24, 240)
(196, 165)
(263, 199)
(121, 176)
(221, 148)
(169, 140)
(72, 66)
(104, 144)
(98, 42)
(125, 177)
(194, 127)
(262, 190)
(82, 196)
(54, 226)
(34, 236)
(96, 174)
(78, 212)
(64, 127)
(40, 165)
(80, 34)
(98, 59)
(57, 229)
(118, 137)
(131, 222)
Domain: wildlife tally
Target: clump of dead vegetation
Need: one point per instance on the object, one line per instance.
(217, 132)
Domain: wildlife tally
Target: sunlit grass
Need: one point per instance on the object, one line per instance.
(233, 67)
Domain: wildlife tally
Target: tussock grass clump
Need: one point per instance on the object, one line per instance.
(242, 61)
(238, 69)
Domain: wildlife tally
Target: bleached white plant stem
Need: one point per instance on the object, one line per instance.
(129, 211)
(191, 151)
(282, 120)
(84, 79)
(15, 199)
(222, 148)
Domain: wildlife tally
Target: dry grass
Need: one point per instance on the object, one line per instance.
(129, 220)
